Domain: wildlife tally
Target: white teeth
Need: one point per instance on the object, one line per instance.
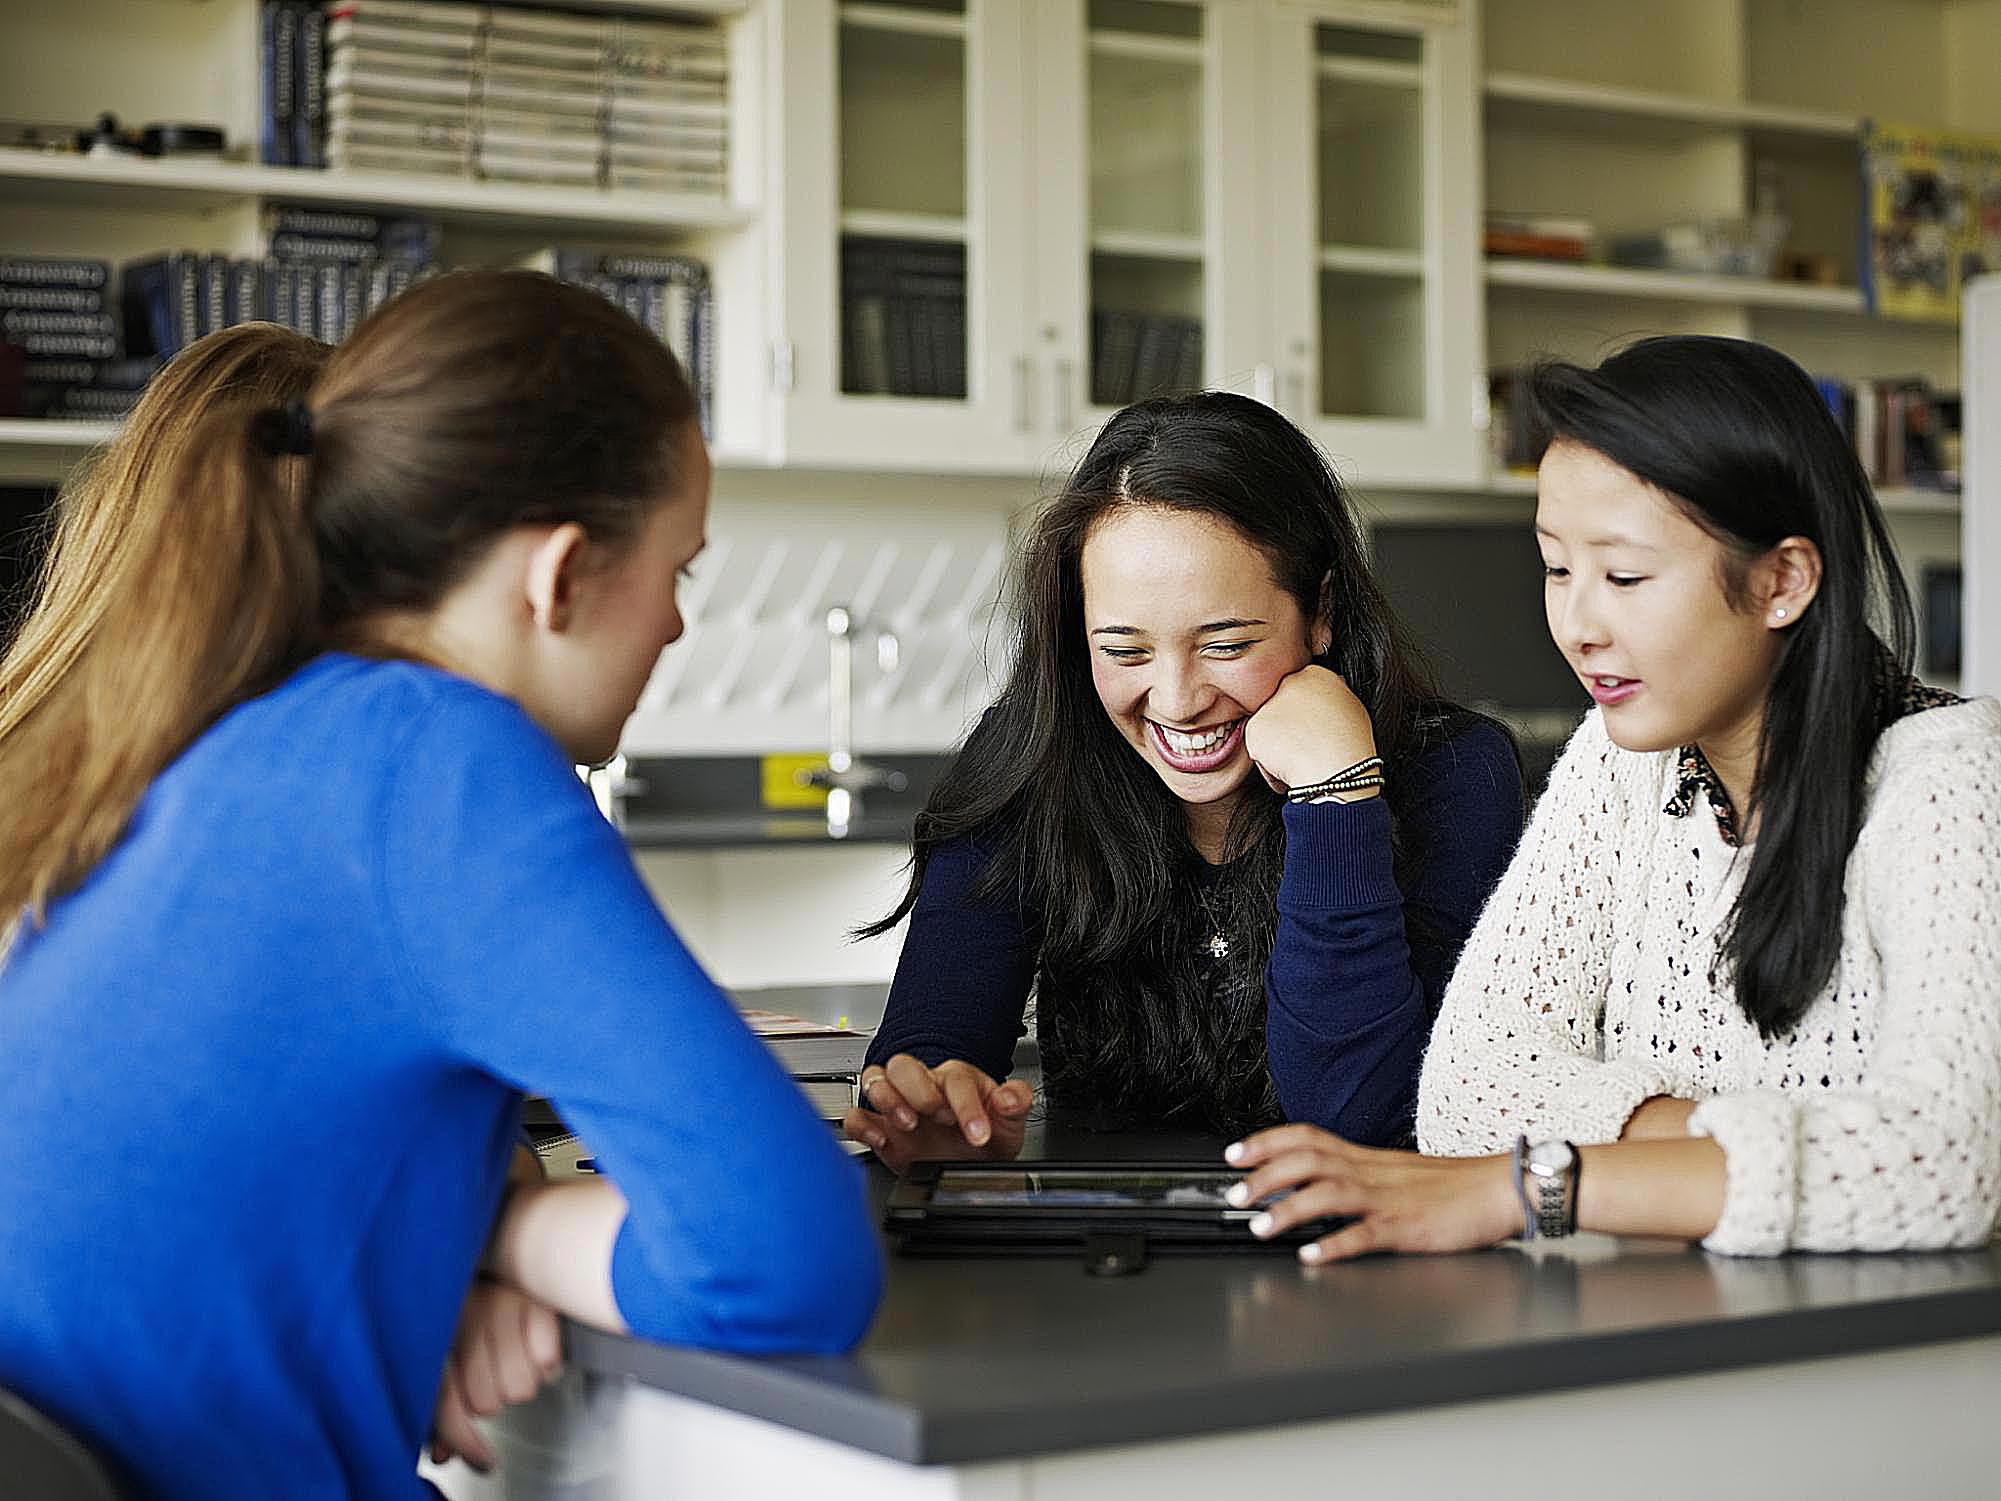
(1195, 745)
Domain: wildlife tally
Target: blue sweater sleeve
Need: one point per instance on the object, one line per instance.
(1359, 967)
(537, 955)
(962, 981)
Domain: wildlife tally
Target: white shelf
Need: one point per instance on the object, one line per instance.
(138, 182)
(891, 226)
(57, 444)
(904, 22)
(30, 432)
(1587, 104)
(1366, 260)
(1915, 500)
(1372, 70)
(1139, 245)
(717, 8)
(1672, 286)
(1908, 500)
(1146, 48)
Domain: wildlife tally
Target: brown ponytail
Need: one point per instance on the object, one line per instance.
(206, 556)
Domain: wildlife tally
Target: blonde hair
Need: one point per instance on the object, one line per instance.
(106, 657)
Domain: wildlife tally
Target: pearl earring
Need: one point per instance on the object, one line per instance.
(1778, 614)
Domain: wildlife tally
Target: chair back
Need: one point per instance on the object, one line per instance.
(41, 1458)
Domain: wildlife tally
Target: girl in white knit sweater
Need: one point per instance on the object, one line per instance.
(1742, 980)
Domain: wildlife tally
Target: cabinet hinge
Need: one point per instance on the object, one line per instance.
(783, 367)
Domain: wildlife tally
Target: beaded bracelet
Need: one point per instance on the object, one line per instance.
(1356, 778)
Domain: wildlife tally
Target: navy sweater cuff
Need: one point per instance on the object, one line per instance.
(1337, 857)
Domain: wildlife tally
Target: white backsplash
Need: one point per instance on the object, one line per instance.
(751, 674)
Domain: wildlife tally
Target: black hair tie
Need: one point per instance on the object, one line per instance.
(295, 428)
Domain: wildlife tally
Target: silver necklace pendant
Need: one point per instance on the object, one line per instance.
(1218, 946)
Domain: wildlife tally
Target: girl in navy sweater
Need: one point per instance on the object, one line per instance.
(1219, 821)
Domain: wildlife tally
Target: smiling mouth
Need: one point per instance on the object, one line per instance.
(1196, 750)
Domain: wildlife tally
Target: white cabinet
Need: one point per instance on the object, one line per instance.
(1372, 200)
(1147, 195)
(898, 174)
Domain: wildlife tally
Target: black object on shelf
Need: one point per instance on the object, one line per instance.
(171, 138)
(903, 318)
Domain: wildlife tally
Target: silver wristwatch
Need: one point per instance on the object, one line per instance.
(1546, 1174)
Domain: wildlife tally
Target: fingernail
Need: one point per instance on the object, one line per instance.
(1237, 1195)
(1261, 1225)
(976, 1132)
(872, 1141)
(907, 1119)
(1234, 1152)
(1311, 1252)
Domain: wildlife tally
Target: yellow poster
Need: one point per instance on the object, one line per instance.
(1932, 210)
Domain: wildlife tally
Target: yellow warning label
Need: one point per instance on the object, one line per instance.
(784, 785)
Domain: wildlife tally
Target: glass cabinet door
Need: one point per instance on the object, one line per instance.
(1376, 338)
(1145, 76)
(1137, 277)
(905, 305)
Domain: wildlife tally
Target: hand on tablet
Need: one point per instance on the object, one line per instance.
(911, 1112)
(1400, 1201)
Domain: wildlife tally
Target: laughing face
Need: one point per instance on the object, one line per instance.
(1189, 635)
(1635, 598)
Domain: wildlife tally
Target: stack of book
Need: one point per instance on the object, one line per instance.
(1905, 432)
(505, 93)
(56, 321)
(329, 269)
(401, 80)
(292, 37)
(325, 272)
(541, 98)
(669, 294)
(903, 317)
(1541, 237)
(1143, 354)
(667, 108)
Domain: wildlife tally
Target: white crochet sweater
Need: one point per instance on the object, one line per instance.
(1584, 989)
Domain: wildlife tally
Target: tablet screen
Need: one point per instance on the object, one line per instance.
(1140, 1188)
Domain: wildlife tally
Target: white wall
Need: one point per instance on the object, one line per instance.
(781, 915)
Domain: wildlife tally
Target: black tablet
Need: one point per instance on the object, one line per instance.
(1058, 1207)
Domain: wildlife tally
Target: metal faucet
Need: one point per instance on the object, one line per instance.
(611, 783)
(844, 777)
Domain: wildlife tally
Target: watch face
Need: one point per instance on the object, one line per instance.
(1548, 1158)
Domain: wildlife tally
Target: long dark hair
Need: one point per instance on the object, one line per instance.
(1737, 437)
(1086, 839)
(475, 403)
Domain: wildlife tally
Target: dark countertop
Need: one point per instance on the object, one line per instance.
(991, 1359)
(734, 830)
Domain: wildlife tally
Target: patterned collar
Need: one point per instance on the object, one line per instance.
(1696, 778)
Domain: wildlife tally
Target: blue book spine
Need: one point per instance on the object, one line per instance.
(309, 89)
(278, 26)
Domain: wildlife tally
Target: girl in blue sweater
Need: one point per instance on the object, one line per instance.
(310, 896)
(1219, 821)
